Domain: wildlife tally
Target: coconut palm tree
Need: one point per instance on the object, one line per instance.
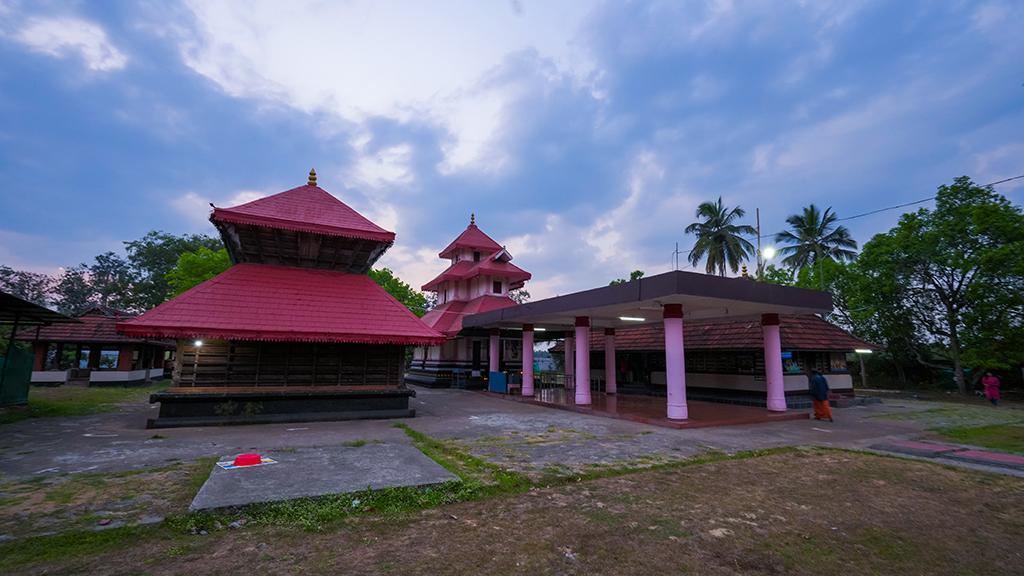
(814, 236)
(719, 238)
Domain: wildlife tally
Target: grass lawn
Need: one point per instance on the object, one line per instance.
(773, 512)
(75, 401)
(978, 425)
(1003, 437)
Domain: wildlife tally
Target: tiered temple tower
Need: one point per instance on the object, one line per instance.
(479, 279)
(295, 329)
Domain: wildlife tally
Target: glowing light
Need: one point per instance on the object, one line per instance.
(198, 343)
(862, 351)
(768, 252)
(632, 319)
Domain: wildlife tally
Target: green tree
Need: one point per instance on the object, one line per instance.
(958, 273)
(152, 257)
(634, 275)
(72, 291)
(815, 236)
(31, 286)
(112, 282)
(194, 268)
(519, 296)
(413, 299)
(774, 275)
(720, 239)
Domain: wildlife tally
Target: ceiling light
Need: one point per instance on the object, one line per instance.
(198, 343)
(632, 319)
(862, 351)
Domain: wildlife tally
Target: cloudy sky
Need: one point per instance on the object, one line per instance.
(583, 134)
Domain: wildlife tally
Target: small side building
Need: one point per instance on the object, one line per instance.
(295, 330)
(92, 352)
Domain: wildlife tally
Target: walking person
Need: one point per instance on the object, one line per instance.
(819, 396)
(991, 383)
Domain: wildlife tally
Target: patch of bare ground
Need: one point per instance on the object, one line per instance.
(810, 512)
(55, 504)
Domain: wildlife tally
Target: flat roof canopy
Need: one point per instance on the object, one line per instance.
(702, 296)
(14, 310)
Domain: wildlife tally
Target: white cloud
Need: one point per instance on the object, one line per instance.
(410, 61)
(387, 167)
(195, 207)
(61, 37)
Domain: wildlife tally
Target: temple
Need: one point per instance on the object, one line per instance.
(479, 278)
(295, 329)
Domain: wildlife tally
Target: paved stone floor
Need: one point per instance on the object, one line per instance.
(518, 435)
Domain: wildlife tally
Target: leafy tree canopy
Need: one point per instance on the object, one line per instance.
(815, 236)
(720, 239)
(194, 268)
(634, 275)
(153, 256)
(957, 273)
(413, 299)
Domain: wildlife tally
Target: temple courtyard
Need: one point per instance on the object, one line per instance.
(522, 489)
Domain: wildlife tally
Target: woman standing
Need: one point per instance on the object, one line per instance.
(991, 383)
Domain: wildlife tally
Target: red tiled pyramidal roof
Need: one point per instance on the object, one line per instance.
(797, 333)
(285, 304)
(306, 208)
(447, 318)
(471, 237)
(466, 269)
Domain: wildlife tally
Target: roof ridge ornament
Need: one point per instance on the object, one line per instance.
(472, 218)
(312, 177)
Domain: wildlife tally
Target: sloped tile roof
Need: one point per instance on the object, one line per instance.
(286, 304)
(304, 209)
(96, 325)
(447, 318)
(466, 269)
(797, 333)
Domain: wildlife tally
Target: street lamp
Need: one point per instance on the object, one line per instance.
(768, 253)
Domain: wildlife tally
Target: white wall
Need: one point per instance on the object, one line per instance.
(49, 376)
(118, 375)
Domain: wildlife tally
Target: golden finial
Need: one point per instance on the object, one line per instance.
(472, 218)
(745, 271)
(312, 177)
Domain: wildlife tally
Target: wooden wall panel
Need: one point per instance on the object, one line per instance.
(219, 363)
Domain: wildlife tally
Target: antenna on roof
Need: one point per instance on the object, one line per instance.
(472, 218)
(312, 177)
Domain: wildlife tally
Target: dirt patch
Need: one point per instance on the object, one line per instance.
(97, 501)
(811, 512)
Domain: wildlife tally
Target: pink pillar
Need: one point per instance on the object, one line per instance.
(773, 363)
(527, 359)
(570, 360)
(610, 387)
(675, 363)
(493, 351)
(582, 360)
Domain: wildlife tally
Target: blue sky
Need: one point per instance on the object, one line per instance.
(583, 134)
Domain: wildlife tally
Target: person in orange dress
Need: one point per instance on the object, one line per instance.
(819, 396)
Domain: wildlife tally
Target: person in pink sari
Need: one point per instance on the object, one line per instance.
(991, 383)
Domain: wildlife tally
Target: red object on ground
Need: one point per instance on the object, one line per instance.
(248, 459)
(285, 304)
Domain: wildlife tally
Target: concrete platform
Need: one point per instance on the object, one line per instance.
(651, 409)
(318, 471)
